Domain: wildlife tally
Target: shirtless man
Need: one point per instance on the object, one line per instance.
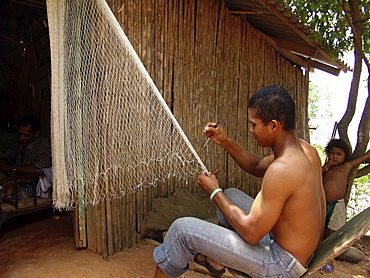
(277, 232)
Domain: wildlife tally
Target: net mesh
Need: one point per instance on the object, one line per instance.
(112, 131)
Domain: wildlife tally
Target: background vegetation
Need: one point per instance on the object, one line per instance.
(319, 111)
(341, 26)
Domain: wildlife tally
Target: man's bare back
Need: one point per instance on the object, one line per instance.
(296, 232)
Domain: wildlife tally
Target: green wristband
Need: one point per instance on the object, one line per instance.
(215, 192)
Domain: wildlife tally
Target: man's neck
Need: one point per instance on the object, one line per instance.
(283, 141)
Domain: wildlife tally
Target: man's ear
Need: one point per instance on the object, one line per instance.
(37, 134)
(273, 124)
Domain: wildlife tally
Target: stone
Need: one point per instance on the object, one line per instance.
(352, 255)
(181, 203)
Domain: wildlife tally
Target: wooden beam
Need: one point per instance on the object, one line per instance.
(296, 59)
(325, 67)
(303, 49)
(35, 4)
(285, 52)
(10, 39)
(246, 12)
(284, 19)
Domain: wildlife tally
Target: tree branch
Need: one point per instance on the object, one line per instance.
(352, 100)
(363, 171)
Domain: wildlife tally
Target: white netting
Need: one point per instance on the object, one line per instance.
(112, 131)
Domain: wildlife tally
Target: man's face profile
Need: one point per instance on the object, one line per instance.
(258, 129)
(26, 136)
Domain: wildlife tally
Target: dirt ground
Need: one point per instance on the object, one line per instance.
(41, 245)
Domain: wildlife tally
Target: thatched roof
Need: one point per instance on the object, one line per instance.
(285, 33)
(281, 28)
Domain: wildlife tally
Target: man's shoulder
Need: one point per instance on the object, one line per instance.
(42, 139)
(287, 166)
(295, 154)
(305, 145)
(295, 164)
(40, 142)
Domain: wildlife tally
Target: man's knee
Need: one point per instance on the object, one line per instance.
(183, 223)
(231, 191)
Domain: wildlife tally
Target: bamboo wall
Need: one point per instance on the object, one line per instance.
(206, 63)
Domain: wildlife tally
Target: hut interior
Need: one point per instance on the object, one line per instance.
(24, 63)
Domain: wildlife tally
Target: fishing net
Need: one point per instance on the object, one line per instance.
(112, 131)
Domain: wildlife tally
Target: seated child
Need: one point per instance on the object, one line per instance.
(335, 176)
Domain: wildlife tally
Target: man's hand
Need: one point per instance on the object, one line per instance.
(208, 182)
(218, 135)
(4, 166)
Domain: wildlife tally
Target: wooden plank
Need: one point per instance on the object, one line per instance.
(340, 241)
(334, 245)
(116, 225)
(110, 239)
(90, 228)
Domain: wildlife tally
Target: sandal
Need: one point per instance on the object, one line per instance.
(326, 270)
(208, 266)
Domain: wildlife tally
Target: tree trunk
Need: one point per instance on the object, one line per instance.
(364, 126)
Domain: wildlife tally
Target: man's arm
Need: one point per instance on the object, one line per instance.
(17, 169)
(266, 208)
(25, 169)
(246, 160)
(249, 162)
(43, 161)
(4, 166)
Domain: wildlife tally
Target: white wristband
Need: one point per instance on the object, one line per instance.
(215, 192)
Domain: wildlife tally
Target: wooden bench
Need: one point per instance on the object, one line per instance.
(24, 206)
(340, 241)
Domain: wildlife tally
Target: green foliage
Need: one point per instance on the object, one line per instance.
(329, 26)
(360, 196)
(360, 192)
(318, 110)
(364, 180)
(313, 99)
(321, 151)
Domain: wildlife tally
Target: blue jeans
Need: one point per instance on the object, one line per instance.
(188, 236)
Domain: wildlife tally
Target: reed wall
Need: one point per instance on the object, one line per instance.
(206, 63)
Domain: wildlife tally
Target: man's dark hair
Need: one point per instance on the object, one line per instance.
(274, 102)
(340, 144)
(32, 121)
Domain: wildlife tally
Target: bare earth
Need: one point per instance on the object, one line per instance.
(41, 245)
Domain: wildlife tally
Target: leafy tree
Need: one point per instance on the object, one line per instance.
(317, 115)
(313, 99)
(341, 26)
(360, 196)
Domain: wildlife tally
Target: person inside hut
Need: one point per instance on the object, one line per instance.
(263, 237)
(32, 155)
(335, 176)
